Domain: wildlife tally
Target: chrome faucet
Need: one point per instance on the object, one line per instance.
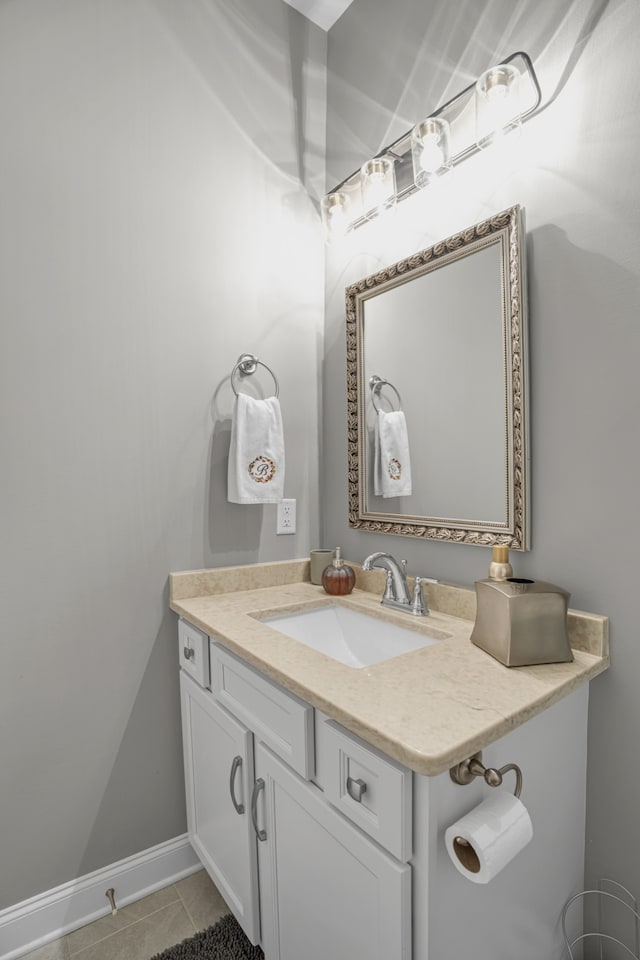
(396, 593)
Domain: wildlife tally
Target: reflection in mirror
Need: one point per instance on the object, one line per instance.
(391, 457)
(437, 391)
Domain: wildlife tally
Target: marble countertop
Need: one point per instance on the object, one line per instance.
(428, 709)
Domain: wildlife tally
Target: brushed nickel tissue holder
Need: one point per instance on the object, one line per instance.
(501, 823)
(465, 773)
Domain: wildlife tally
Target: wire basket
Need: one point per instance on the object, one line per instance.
(605, 945)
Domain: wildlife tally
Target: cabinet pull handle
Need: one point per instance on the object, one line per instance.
(355, 789)
(257, 787)
(189, 653)
(235, 766)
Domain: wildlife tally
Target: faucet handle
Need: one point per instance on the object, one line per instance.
(419, 606)
(389, 593)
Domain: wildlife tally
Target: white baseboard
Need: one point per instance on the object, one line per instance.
(35, 922)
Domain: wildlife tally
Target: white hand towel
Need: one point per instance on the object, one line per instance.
(392, 464)
(256, 453)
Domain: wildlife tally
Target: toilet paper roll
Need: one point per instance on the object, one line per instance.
(484, 841)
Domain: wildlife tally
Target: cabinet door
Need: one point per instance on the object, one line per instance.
(326, 890)
(218, 758)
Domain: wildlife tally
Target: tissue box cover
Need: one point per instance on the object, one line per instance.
(522, 622)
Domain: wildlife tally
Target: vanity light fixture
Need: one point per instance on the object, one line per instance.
(498, 109)
(430, 150)
(486, 110)
(335, 209)
(378, 186)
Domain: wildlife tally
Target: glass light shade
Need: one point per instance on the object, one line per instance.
(378, 186)
(498, 108)
(336, 215)
(430, 150)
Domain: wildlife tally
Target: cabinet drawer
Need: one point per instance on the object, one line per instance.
(278, 718)
(370, 789)
(194, 652)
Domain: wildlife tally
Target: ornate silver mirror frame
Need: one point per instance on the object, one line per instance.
(505, 233)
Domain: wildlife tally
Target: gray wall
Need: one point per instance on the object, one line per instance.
(388, 66)
(157, 163)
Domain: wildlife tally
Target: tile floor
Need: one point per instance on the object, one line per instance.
(144, 928)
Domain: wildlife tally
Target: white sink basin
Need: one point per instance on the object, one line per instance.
(350, 636)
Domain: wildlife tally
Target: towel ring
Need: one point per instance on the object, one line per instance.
(377, 383)
(248, 364)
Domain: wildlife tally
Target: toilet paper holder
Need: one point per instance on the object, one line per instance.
(466, 772)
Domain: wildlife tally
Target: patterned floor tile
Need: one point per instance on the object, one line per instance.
(204, 903)
(106, 926)
(143, 939)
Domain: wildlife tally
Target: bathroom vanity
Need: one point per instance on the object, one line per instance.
(318, 793)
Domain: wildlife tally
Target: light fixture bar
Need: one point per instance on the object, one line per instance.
(454, 111)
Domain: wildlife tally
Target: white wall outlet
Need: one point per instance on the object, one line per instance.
(286, 520)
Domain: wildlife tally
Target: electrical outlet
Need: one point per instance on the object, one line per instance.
(286, 519)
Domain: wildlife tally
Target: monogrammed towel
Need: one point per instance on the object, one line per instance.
(392, 466)
(256, 453)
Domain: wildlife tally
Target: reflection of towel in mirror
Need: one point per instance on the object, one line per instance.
(256, 453)
(392, 466)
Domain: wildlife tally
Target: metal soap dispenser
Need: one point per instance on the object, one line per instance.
(520, 622)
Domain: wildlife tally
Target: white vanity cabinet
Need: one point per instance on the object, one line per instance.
(324, 847)
(325, 888)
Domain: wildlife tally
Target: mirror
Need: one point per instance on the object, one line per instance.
(436, 391)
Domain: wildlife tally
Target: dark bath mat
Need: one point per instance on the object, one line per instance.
(225, 940)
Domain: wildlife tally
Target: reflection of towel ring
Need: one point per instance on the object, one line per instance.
(248, 364)
(376, 384)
